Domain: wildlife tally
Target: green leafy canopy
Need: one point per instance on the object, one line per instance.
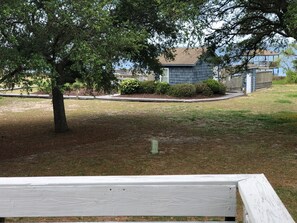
(246, 26)
(84, 39)
(65, 40)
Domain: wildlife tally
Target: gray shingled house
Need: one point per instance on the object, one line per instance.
(186, 67)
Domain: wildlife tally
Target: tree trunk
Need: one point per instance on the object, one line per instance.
(59, 111)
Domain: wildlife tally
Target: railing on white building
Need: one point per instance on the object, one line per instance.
(175, 195)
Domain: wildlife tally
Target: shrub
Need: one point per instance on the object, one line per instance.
(222, 89)
(162, 87)
(68, 87)
(147, 87)
(291, 77)
(206, 91)
(130, 86)
(44, 86)
(77, 85)
(182, 90)
(203, 89)
(200, 87)
(213, 85)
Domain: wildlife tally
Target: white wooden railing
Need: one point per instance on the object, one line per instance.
(182, 195)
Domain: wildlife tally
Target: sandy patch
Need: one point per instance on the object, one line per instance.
(22, 106)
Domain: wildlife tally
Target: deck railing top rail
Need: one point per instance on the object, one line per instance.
(208, 179)
(167, 195)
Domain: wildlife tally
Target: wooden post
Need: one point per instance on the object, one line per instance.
(155, 147)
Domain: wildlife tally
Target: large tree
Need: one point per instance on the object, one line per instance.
(238, 27)
(61, 40)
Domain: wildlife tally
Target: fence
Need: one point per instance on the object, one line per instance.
(234, 83)
(262, 79)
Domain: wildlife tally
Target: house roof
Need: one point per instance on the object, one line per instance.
(263, 53)
(183, 57)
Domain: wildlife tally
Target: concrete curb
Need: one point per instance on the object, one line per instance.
(116, 97)
(225, 97)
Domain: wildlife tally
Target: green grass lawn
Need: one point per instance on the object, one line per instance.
(251, 134)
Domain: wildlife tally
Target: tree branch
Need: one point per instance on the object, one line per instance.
(19, 69)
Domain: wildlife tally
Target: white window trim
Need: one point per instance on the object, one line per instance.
(162, 77)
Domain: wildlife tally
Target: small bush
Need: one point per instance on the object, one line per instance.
(182, 90)
(222, 89)
(291, 77)
(215, 86)
(130, 86)
(44, 86)
(67, 87)
(147, 87)
(77, 85)
(202, 88)
(206, 91)
(162, 87)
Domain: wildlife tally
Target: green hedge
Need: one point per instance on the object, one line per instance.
(223, 89)
(182, 90)
(162, 88)
(147, 87)
(130, 86)
(206, 88)
(215, 86)
(203, 89)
